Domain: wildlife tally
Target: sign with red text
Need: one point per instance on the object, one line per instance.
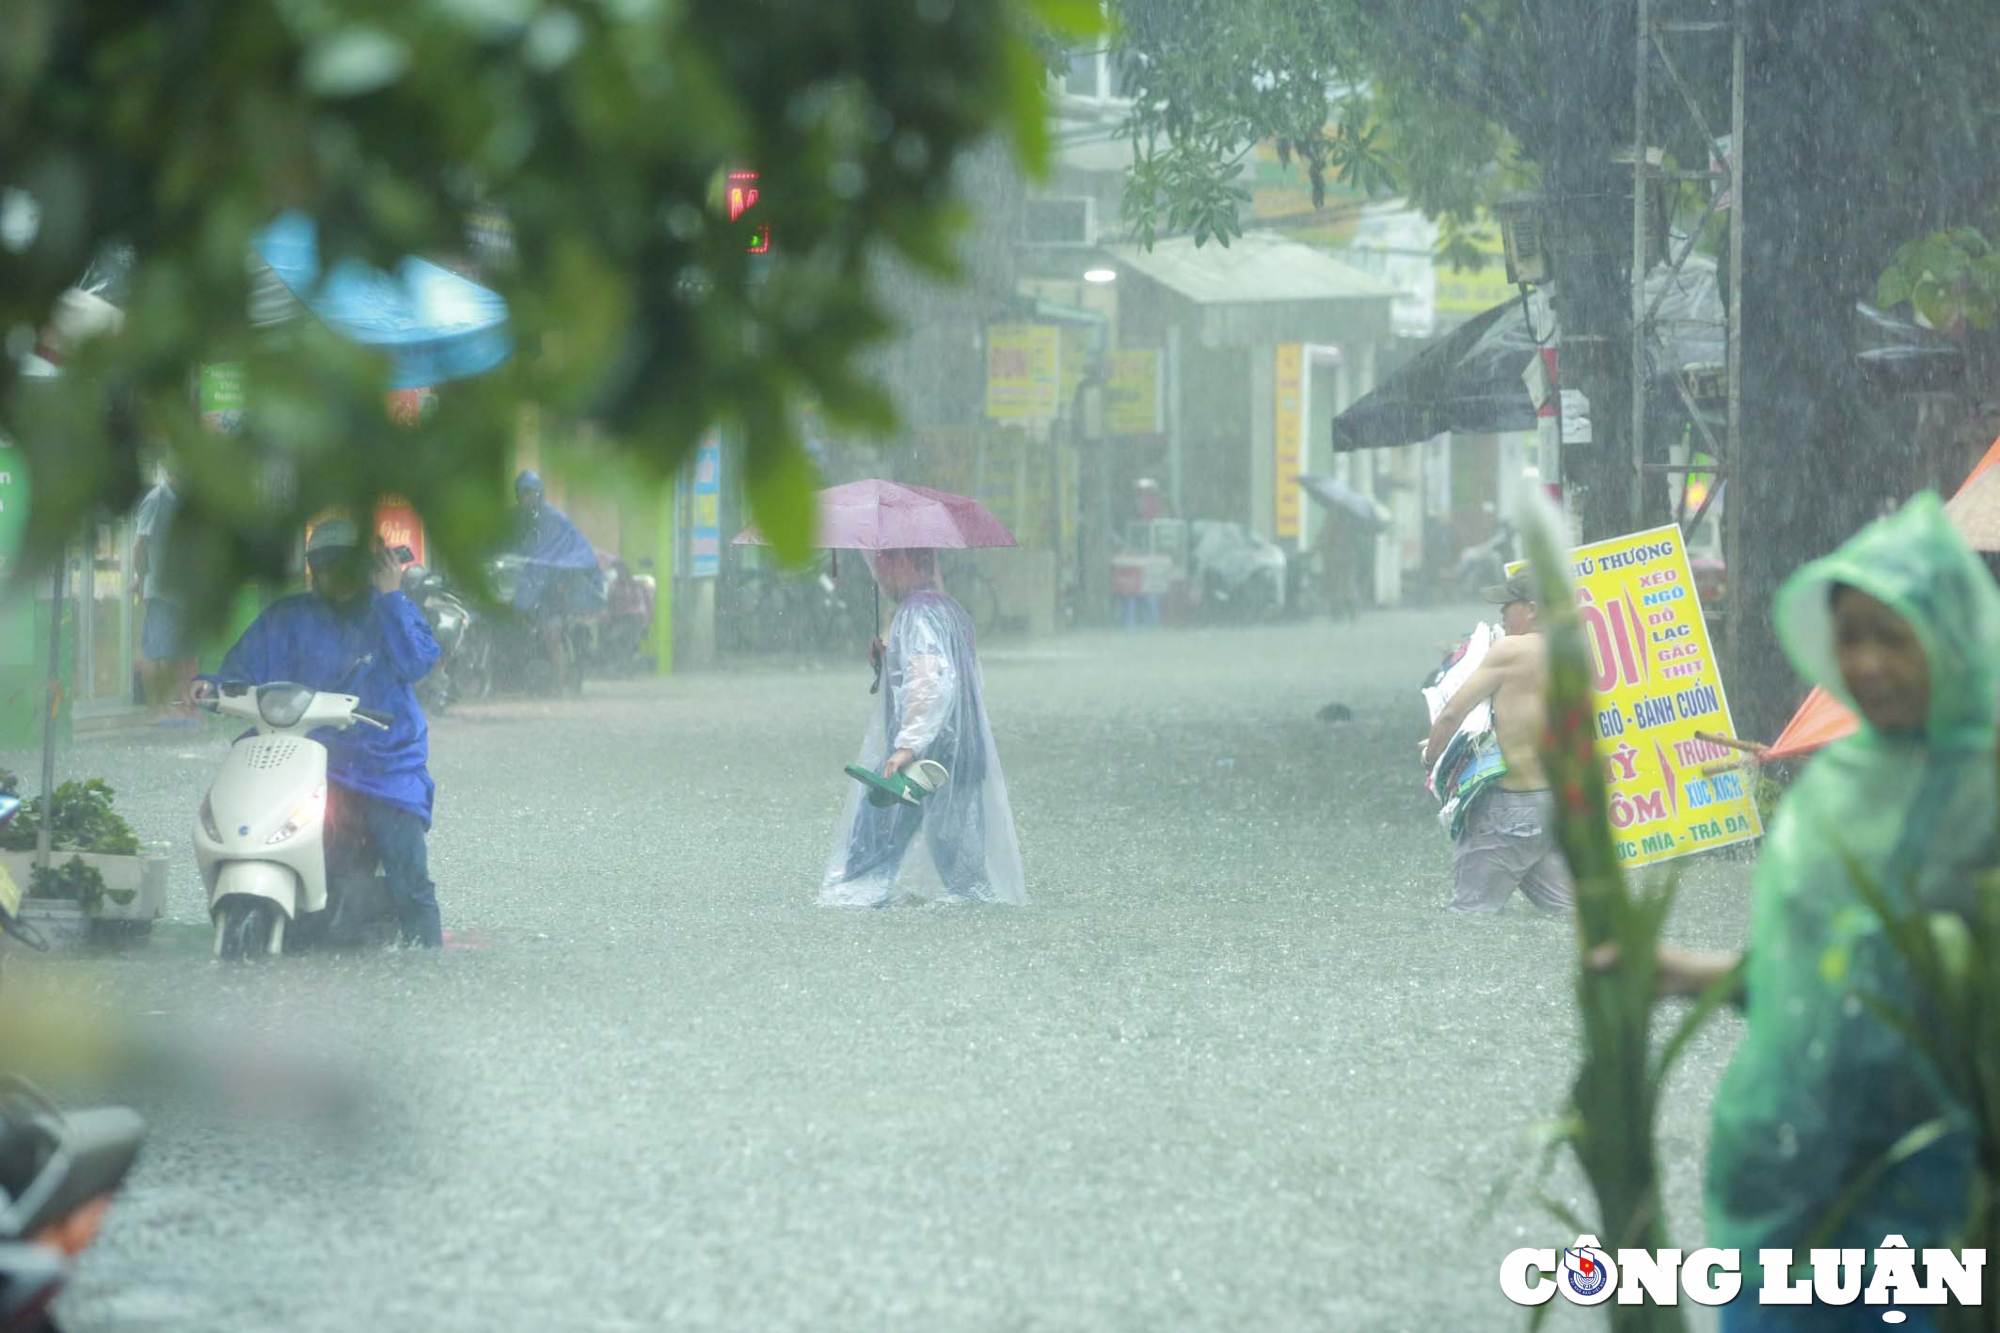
(397, 524)
(1656, 684)
(1023, 372)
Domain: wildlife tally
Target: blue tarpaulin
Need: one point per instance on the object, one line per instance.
(434, 325)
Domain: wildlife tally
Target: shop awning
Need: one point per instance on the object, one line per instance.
(1265, 288)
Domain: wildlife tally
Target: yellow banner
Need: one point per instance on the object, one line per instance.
(1023, 372)
(1132, 393)
(1657, 684)
(1287, 432)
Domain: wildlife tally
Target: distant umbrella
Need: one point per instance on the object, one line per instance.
(433, 325)
(1336, 494)
(879, 515)
(888, 516)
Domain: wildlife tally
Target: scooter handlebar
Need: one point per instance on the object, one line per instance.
(375, 719)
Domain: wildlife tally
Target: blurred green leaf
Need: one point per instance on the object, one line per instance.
(781, 502)
(572, 155)
(355, 61)
(1071, 18)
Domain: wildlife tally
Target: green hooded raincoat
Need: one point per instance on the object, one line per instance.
(1821, 1089)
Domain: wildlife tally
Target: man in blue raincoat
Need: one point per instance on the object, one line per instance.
(561, 578)
(355, 633)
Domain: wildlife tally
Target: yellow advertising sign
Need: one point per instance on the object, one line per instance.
(1132, 393)
(1656, 684)
(1023, 372)
(1287, 429)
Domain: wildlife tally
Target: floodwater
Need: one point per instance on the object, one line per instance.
(1233, 1068)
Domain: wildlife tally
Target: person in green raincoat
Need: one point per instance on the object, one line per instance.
(1902, 624)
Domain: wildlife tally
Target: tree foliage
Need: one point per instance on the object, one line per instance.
(1951, 278)
(177, 128)
(1336, 87)
(1869, 128)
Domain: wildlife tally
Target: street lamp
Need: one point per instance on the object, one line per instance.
(1100, 275)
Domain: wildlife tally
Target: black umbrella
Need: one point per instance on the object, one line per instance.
(1470, 380)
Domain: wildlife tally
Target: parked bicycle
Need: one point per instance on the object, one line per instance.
(974, 591)
(809, 611)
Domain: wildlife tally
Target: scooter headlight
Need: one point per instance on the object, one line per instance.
(208, 821)
(308, 812)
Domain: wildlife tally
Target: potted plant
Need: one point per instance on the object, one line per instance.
(99, 884)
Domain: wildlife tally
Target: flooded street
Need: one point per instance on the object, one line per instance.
(1233, 1066)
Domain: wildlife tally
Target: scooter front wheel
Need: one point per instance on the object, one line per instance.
(248, 929)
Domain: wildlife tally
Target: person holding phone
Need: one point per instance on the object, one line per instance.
(355, 633)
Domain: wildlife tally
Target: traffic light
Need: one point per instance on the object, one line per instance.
(742, 192)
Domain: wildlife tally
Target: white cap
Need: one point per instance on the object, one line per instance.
(332, 534)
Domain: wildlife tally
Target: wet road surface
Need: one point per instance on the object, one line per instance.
(1233, 1068)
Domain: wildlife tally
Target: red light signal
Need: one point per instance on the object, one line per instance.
(743, 194)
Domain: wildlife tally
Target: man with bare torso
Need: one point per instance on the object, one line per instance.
(1509, 839)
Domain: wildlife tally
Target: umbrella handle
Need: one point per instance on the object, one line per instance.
(876, 648)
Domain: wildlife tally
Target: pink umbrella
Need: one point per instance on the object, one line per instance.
(878, 515)
(887, 516)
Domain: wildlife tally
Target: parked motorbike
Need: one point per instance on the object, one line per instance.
(260, 839)
(1239, 575)
(57, 1176)
(463, 669)
(622, 632)
(1484, 564)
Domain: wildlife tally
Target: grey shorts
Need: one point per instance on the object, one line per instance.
(1508, 843)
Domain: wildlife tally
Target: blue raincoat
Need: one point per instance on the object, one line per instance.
(560, 558)
(377, 655)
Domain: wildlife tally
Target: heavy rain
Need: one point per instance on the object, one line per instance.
(998, 664)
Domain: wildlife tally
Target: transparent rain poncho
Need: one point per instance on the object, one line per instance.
(1822, 1089)
(960, 842)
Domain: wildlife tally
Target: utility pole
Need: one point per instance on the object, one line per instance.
(1667, 41)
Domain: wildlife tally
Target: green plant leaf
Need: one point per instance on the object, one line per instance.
(781, 501)
(1071, 18)
(1859, 1188)
(1713, 997)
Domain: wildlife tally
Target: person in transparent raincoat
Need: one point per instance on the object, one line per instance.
(932, 706)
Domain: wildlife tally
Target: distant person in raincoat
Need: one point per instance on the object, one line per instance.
(165, 641)
(562, 577)
(1902, 624)
(932, 707)
(355, 633)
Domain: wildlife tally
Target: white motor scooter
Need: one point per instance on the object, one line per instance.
(260, 839)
